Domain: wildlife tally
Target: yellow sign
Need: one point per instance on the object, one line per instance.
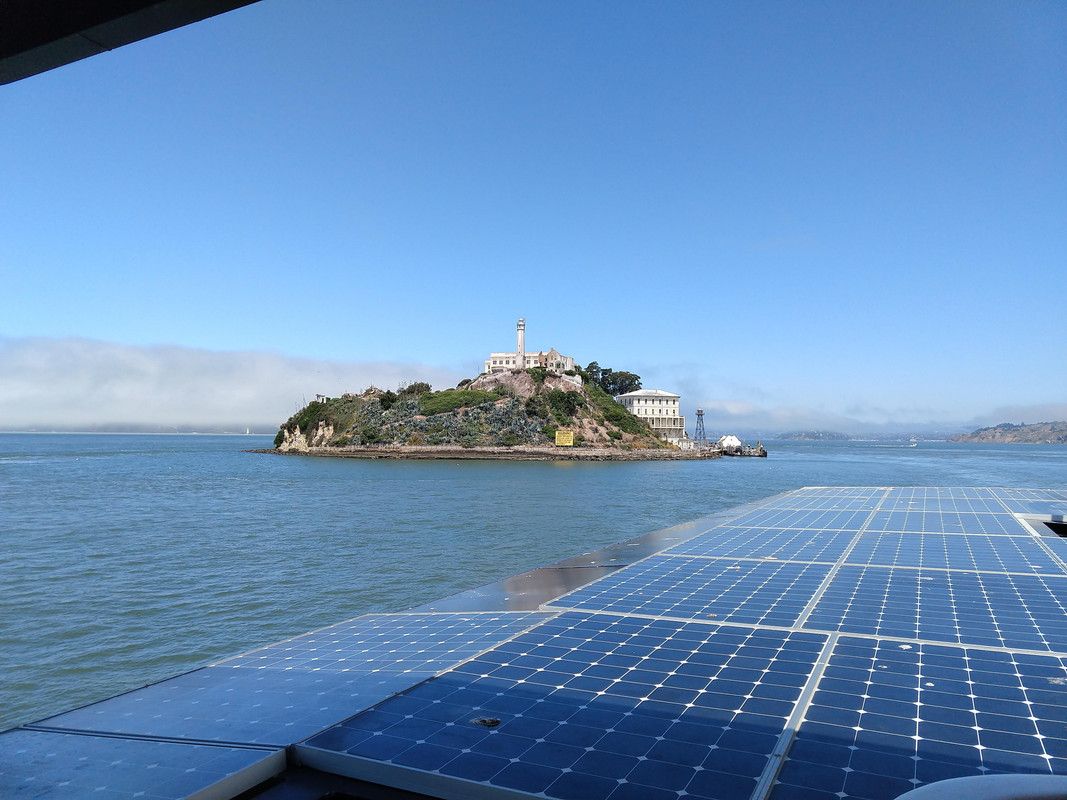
(564, 438)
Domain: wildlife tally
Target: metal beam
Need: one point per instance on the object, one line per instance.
(39, 35)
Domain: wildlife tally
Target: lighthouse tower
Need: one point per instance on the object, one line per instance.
(520, 352)
(553, 359)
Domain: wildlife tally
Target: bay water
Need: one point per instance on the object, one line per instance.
(126, 559)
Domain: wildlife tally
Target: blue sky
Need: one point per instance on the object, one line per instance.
(819, 214)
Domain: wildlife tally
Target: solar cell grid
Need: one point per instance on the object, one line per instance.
(726, 590)
(599, 708)
(1013, 611)
(951, 551)
(909, 521)
(293, 689)
(780, 543)
(1041, 495)
(1054, 505)
(939, 503)
(48, 764)
(832, 492)
(993, 524)
(889, 716)
(960, 492)
(819, 519)
(679, 675)
(917, 521)
(389, 641)
(840, 499)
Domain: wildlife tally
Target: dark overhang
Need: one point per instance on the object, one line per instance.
(39, 35)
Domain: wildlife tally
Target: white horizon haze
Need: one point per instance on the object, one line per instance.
(74, 384)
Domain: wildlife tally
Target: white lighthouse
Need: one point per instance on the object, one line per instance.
(553, 359)
(520, 352)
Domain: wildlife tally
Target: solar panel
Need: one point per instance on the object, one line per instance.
(952, 551)
(595, 706)
(840, 498)
(997, 610)
(919, 521)
(938, 605)
(819, 519)
(830, 643)
(887, 717)
(288, 691)
(763, 592)
(940, 502)
(50, 765)
(785, 544)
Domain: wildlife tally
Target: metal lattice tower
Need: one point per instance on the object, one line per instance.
(701, 437)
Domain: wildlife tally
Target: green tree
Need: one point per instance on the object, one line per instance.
(605, 379)
(626, 382)
(593, 372)
(616, 383)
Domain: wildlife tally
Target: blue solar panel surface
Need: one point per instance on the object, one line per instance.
(598, 706)
(975, 552)
(835, 643)
(726, 590)
(840, 642)
(288, 691)
(180, 736)
(769, 543)
(47, 764)
(888, 716)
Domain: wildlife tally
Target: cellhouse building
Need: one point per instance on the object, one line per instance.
(660, 410)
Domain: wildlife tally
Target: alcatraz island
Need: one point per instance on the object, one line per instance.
(525, 405)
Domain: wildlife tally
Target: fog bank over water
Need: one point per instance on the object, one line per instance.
(75, 384)
(81, 384)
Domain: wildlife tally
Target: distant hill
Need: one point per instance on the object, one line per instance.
(1007, 433)
(509, 409)
(813, 436)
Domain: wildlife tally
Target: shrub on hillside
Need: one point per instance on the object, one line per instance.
(625, 421)
(564, 404)
(432, 403)
(310, 415)
(614, 413)
(536, 406)
(416, 388)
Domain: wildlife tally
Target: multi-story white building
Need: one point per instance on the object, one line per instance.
(660, 410)
(502, 362)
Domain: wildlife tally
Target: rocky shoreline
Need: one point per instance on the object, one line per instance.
(520, 453)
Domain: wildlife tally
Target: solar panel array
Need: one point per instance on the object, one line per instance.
(231, 721)
(829, 643)
(585, 704)
(833, 643)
